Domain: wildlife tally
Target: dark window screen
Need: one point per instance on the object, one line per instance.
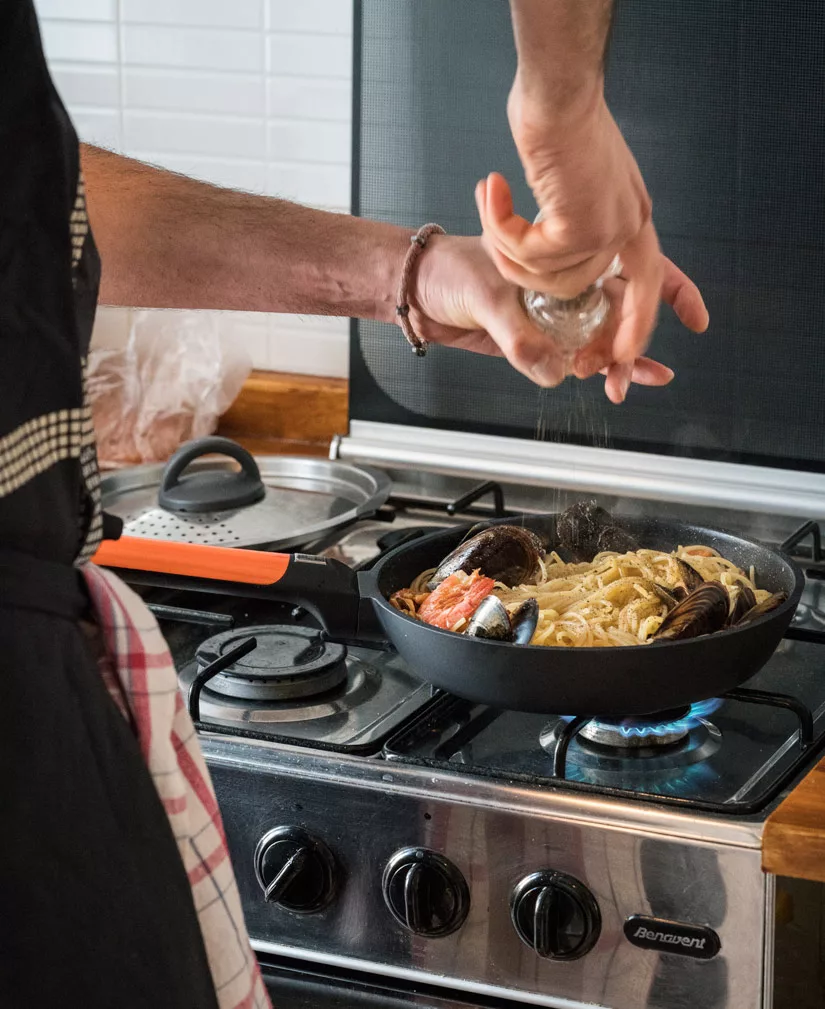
(723, 104)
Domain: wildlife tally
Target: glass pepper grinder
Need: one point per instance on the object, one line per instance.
(571, 322)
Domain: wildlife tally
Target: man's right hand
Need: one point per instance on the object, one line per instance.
(460, 299)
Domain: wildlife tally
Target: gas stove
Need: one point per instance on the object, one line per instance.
(294, 686)
(394, 840)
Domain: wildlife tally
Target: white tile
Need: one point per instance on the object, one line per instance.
(247, 176)
(317, 185)
(197, 48)
(327, 143)
(97, 126)
(191, 91)
(206, 13)
(186, 134)
(82, 42)
(111, 328)
(310, 55)
(301, 346)
(87, 85)
(80, 10)
(309, 98)
(247, 330)
(330, 17)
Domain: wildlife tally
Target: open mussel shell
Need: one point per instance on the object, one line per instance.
(508, 554)
(524, 621)
(666, 595)
(492, 621)
(586, 529)
(704, 611)
(742, 600)
(613, 539)
(766, 606)
(578, 528)
(690, 579)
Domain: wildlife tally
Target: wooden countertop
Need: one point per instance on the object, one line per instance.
(793, 843)
(282, 414)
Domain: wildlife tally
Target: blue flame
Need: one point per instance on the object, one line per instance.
(638, 728)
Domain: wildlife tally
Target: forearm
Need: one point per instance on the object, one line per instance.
(561, 48)
(171, 242)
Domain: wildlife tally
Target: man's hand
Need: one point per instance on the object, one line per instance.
(586, 183)
(585, 180)
(460, 299)
(170, 242)
(594, 205)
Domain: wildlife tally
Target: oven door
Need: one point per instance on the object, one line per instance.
(297, 984)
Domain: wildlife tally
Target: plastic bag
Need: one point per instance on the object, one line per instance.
(170, 383)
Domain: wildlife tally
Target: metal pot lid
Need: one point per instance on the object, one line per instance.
(297, 499)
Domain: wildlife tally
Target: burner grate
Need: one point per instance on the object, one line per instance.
(579, 726)
(459, 735)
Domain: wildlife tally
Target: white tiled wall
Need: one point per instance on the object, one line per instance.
(253, 94)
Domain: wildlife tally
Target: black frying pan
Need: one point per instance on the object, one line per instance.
(631, 680)
(569, 681)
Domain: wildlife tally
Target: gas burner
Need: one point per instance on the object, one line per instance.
(646, 734)
(289, 663)
(638, 765)
(653, 731)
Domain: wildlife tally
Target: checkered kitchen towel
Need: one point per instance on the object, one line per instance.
(141, 678)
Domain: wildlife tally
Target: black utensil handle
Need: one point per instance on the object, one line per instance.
(217, 491)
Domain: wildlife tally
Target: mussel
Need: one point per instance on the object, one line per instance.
(666, 595)
(585, 529)
(509, 554)
(742, 600)
(704, 611)
(614, 539)
(689, 578)
(766, 606)
(492, 621)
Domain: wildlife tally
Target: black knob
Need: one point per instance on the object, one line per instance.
(425, 892)
(295, 869)
(556, 915)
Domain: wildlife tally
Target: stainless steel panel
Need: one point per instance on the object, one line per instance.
(582, 468)
(365, 813)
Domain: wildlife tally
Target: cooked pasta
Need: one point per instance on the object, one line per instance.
(616, 599)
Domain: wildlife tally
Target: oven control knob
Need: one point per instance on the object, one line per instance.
(296, 870)
(425, 892)
(556, 915)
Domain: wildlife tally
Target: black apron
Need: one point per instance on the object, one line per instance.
(95, 907)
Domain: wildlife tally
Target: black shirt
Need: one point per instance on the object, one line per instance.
(49, 276)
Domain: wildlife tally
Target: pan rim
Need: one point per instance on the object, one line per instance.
(788, 607)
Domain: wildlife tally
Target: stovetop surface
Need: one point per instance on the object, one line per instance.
(735, 758)
(376, 695)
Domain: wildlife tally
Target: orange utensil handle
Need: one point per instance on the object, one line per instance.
(193, 560)
(325, 587)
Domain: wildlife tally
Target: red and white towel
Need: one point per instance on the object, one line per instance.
(140, 676)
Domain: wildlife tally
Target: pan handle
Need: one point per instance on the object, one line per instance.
(322, 585)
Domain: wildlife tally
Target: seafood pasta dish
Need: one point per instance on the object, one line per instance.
(595, 588)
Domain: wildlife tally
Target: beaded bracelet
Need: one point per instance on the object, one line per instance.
(418, 243)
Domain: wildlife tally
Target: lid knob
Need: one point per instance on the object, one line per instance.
(213, 490)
